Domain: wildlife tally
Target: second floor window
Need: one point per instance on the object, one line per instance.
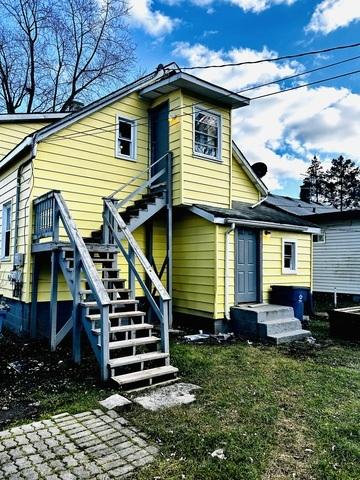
(207, 134)
(6, 230)
(125, 142)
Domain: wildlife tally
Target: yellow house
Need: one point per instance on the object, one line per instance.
(136, 208)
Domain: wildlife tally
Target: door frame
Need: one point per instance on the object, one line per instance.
(259, 263)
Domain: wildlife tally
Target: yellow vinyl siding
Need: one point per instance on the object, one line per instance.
(194, 266)
(11, 133)
(205, 181)
(272, 261)
(84, 167)
(8, 182)
(242, 188)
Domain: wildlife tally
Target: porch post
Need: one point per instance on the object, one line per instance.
(169, 239)
(54, 298)
(75, 313)
(34, 295)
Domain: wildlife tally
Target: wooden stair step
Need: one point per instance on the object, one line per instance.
(108, 269)
(134, 313)
(145, 374)
(142, 357)
(109, 290)
(133, 342)
(124, 301)
(125, 328)
(113, 279)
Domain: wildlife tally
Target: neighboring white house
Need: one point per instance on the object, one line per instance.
(336, 251)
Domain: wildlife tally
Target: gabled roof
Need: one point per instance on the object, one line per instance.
(260, 216)
(296, 206)
(168, 75)
(241, 159)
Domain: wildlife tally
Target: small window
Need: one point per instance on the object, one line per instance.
(207, 134)
(125, 141)
(289, 256)
(319, 238)
(6, 230)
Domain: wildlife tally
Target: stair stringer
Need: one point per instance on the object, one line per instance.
(145, 214)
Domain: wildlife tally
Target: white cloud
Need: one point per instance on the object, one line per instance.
(285, 130)
(330, 15)
(154, 22)
(255, 6)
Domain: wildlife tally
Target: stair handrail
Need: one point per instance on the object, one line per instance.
(92, 276)
(136, 177)
(115, 223)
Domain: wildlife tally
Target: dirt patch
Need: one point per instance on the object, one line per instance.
(29, 371)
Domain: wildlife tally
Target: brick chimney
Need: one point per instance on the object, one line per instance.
(305, 192)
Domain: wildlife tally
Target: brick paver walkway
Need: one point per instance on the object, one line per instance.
(94, 445)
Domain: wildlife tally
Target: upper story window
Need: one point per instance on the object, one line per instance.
(126, 139)
(289, 260)
(319, 238)
(207, 134)
(5, 230)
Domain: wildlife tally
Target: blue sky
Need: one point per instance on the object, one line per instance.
(285, 130)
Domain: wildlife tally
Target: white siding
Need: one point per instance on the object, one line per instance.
(337, 261)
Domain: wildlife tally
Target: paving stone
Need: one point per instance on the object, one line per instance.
(90, 445)
(115, 401)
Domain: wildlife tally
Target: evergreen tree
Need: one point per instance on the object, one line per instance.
(341, 184)
(314, 179)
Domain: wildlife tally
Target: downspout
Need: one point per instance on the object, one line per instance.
(227, 245)
(260, 201)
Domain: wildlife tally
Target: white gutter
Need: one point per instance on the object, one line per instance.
(27, 142)
(226, 292)
(274, 226)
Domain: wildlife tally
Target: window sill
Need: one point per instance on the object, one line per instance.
(124, 157)
(206, 157)
(5, 259)
(289, 272)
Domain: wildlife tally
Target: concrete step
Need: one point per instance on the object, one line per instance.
(145, 375)
(125, 328)
(278, 326)
(133, 342)
(287, 337)
(143, 357)
(263, 312)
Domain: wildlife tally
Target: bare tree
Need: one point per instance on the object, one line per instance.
(54, 51)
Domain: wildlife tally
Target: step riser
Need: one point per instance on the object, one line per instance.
(291, 337)
(266, 329)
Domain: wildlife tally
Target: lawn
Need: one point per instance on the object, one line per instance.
(278, 413)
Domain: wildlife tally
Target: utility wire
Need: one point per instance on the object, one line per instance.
(305, 85)
(273, 59)
(112, 126)
(306, 72)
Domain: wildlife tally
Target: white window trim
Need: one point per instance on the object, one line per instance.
(218, 158)
(133, 155)
(289, 271)
(322, 241)
(5, 205)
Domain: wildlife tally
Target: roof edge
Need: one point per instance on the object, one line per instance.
(243, 162)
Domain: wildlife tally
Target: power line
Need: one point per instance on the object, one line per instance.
(306, 72)
(273, 59)
(112, 126)
(306, 85)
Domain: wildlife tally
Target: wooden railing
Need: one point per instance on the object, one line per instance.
(49, 210)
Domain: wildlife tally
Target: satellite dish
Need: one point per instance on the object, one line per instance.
(260, 169)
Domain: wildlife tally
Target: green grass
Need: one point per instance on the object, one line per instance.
(278, 413)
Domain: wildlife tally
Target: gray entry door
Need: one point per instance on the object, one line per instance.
(246, 266)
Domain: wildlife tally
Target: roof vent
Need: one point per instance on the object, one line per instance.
(260, 169)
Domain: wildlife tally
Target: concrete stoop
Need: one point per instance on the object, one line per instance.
(271, 323)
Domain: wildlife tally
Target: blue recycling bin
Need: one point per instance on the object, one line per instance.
(299, 298)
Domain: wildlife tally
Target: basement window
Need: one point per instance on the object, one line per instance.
(126, 139)
(207, 130)
(5, 231)
(289, 261)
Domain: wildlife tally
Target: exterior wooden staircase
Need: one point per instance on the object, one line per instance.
(104, 304)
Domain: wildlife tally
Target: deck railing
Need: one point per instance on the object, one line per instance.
(50, 209)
